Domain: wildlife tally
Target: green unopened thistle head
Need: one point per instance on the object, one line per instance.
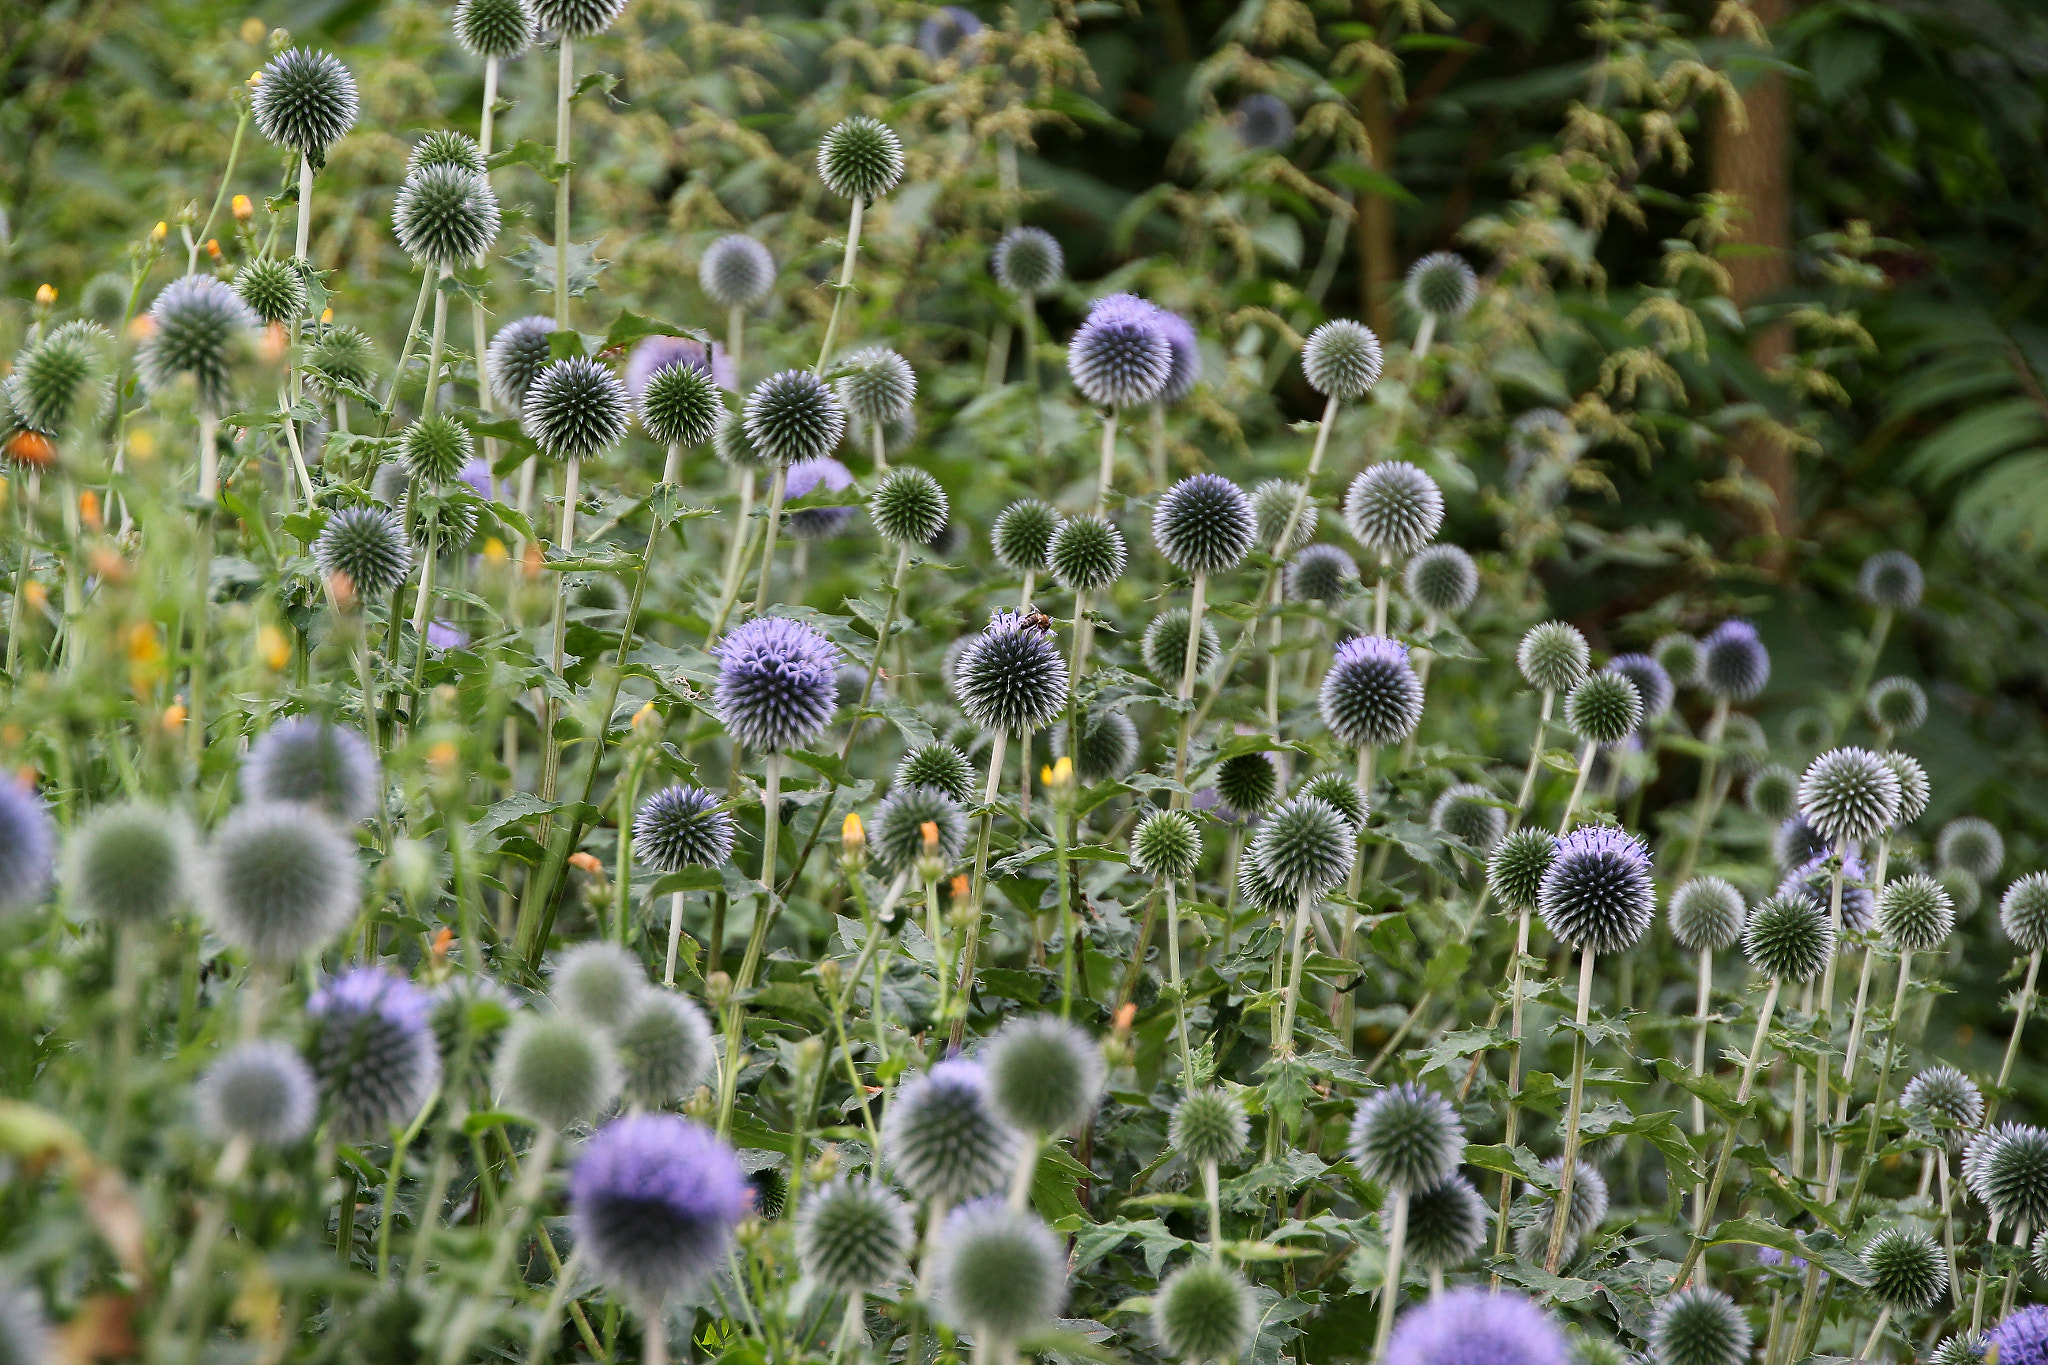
(1914, 913)
(908, 506)
(1045, 1076)
(1699, 1326)
(1305, 847)
(434, 449)
(1273, 502)
(2023, 912)
(1470, 813)
(1204, 524)
(1849, 793)
(1342, 360)
(1028, 260)
(1553, 656)
(306, 100)
(1679, 653)
(1441, 284)
(576, 408)
(598, 982)
(1442, 580)
(1517, 865)
(939, 765)
(1023, 533)
(578, 18)
(1086, 553)
(1604, 708)
(1407, 1137)
(854, 1235)
(1707, 915)
(495, 28)
(131, 863)
(1209, 1126)
(446, 147)
(1105, 745)
(665, 1049)
(998, 1272)
(369, 546)
(1165, 646)
(1446, 1223)
(876, 385)
(736, 271)
(1789, 938)
(279, 881)
(1204, 1311)
(793, 416)
(1393, 508)
(681, 406)
(273, 289)
(1970, 844)
(1247, 783)
(1773, 792)
(1907, 1269)
(556, 1070)
(1896, 705)
(200, 328)
(860, 159)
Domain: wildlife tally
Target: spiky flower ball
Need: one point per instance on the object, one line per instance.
(1371, 695)
(578, 18)
(1119, 356)
(1517, 866)
(1086, 553)
(1045, 1076)
(1891, 579)
(1028, 260)
(1393, 508)
(130, 863)
(1583, 1216)
(2023, 912)
(2013, 1178)
(199, 327)
(575, 409)
(1263, 121)
(105, 297)
(1184, 366)
(1468, 812)
(678, 827)
(1203, 525)
(1653, 684)
(556, 1070)
(1849, 793)
(1442, 580)
(776, 683)
(1814, 880)
(1678, 654)
(1604, 709)
(1341, 360)
(1943, 1105)
(1166, 845)
(373, 1050)
(306, 100)
(665, 1048)
(898, 840)
(793, 415)
(1733, 661)
(1447, 1223)
(1699, 1326)
(280, 881)
(736, 271)
(1789, 938)
(1010, 676)
(1773, 792)
(877, 385)
(1472, 1326)
(1914, 913)
(598, 982)
(1553, 656)
(1896, 705)
(1706, 915)
(998, 1272)
(55, 381)
(260, 1091)
(445, 147)
(1321, 573)
(27, 844)
(1273, 501)
(1023, 533)
(908, 506)
(434, 449)
(1247, 783)
(938, 765)
(860, 158)
(517, 355)
(942, 1138)
(1969, 1350)
(1407, 1137)
(1597, 894)
(1204, 1311)
(1907, 1269)
(1339, 792)
(495, 28)
(653, 1200)
(1209, 1126)
(1971, 845)
(273, 289)
(680, 405)
(1165, 646)
(854, 1235)
(1106, 747)
(1441, 284)
(1305, 847)
(367, 544)
(806, 477)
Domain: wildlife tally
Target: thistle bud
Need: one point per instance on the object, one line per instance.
(853, 845)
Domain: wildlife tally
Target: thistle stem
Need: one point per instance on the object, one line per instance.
(1390, 1292)
(1304, 906)
(1703, 808)
(777, 487)
(565, 84)
(845, 284)
(1105, 474)
(737, 554)
(2019, 1024)
(1189, 661)
(1561, 1218)
(979, 882)
(675, 938)
(771, 829)
(1756, 1047)
(1699, 1066)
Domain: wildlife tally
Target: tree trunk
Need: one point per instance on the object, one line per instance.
(1378, 267)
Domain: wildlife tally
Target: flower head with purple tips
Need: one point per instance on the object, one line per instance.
(1371, 694)
(1475, 1327)
(807, 477)
(1597, 894)
(1733, 661)
(27, 846)
(777, 683)
(653, 1200)
(657, 353)
(373, 1049)
(1184, 368)
(1813, 880)
(1120, 355)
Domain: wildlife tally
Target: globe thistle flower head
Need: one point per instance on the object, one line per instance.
(1342, 360)
(1789, 938)
(1913, 788)
(1966, 892)
(1086, 553)
(1164, 646)
(1205, 1311)
(1914, 913)
(854, 1235)
(665, 1049)
(1106, 747)
(1699, 1326)
(1964, 1349)
(1209, 1126)
(1184, 361)
(578, 18)
(1273, 501)
(1305, 847)
(1707, 915)
(260, 1091)
(273, 289)
(653, 354)
(793, 415)
(1246, 784)
(1442, 580)
(1441, 284)
(60, 379)
(598, 983)
(1468, 812)
(1849, 793)
(279, 881)
(776, 685)
(495, 28)
(1907, 1269)
(899, 840)
(1261, 892)
(518, 353)
(1472, 1326)
(1653, 684)
(306, 101)
(1371, 695)
(653, 1201)
(576, 408)
(556, 1070)
(1733, 661)
(679, 405)
(908, 506)
(2013, 1178)
(679, 826)
(373, 1050)
(806, 477)
(1263, 122)
(734, 447)
(2023, 913)
(1010, 676)
(369, 546)
(1120, 357)
(1446, 1223)
(938, 765)
(1339, 792)
(130, 863)
(445, 215)
(1814, 879)
(1891, 580)
(1028, 260)
(1943, 1105)
(433, 449)
(1516, 867)
(469, 1016)
(1393, 508)
(1971, 845)
(1321, 573)
(1045, 1076)
(860, 158)
(1604, 709)
(445, 147)
(1204, 524)
(998, 1272)
(105, 297)
(1023, 533)
(1678, 654)
(1773, 792)
(1167, 845)
(876, 385)
(1597, 894)
(1586, 1212)
(1896, 705)
(941, 1136)
(1978, 1148)
(1553, 657)
(200, 327)
(1407, 1137)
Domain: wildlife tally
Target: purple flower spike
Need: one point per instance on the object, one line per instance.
(653, 1201)
(1474, 1327)
(777, 683)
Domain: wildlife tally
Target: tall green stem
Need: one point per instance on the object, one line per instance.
(979, 883)
(1756, 1048)
(1561, 1219)
(845, 285)
(565, 87)
(735, 1010)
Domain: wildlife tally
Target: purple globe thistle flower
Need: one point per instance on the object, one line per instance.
(1733, 661)
(1653, 683)
(1371, 695)
(1597, 893)
(807, 477)
(653, 1201)
(27, 846)
(445, 635)
(1474, 1327)
(312, 759)
(1010, 676)
(1263, 121)
(1812, 880)
(657, 353)
(950, 31)
(1185, 363)
(373, 1049)
(476, 476)
(777, 683)
(1120, 356)
(2021, 1339)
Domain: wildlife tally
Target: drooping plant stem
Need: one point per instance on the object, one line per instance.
(1560, 1219)
(757, 940)
(1749, 1064)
